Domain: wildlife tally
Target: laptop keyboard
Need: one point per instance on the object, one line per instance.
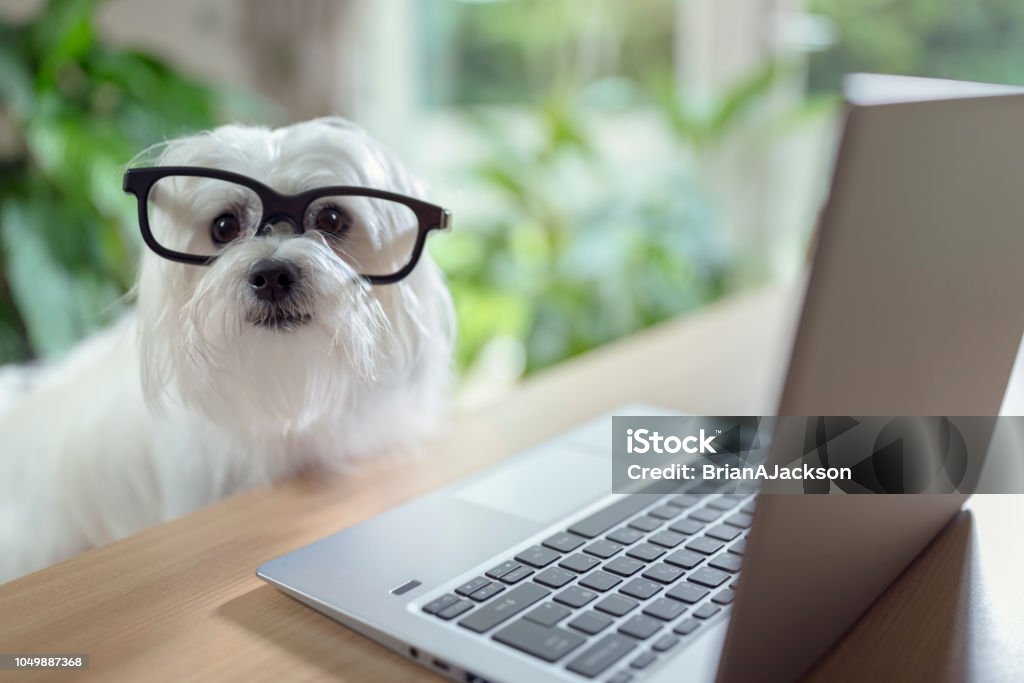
(616, 590)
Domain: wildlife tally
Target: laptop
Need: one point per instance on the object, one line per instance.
(532, 571)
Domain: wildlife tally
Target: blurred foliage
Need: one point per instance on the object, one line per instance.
(515, 53)
(73, 111)
(704, 125)
(563, 276)
(572, 259)
(979, 40)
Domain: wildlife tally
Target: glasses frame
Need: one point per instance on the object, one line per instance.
(277, 206)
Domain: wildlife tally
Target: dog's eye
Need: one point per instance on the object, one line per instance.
(225, 229)
(333, 220)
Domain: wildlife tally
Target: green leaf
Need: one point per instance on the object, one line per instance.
(16, 90)
(40, 287)
(743, 96)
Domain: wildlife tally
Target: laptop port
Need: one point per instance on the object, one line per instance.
(473, 678)
(414, 653)
(442, 665)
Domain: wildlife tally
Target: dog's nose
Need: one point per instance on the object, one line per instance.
(272, 279)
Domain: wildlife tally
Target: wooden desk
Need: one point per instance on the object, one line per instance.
(181, 602)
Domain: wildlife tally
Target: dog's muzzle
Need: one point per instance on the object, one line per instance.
(276, 284)
(273, 279)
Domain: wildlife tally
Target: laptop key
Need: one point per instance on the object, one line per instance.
(688, 593)
(666, 538)
(664, 609)
(503, 569)
(603, 549)
(665, 512)
(686, 526)
(715, 486)
(723, 532)
(549, 643)
(487, 592)
(640, 589)
(624, 566)
(640, 627)
(739, 547)
(626, 535)
(553, 577)
(645, 523)
(724, 597)
(708, 546)
(662, 573)
(574, 596)
(705, 514)
(708, 486)
(686, 626)
(472, 586)
(722, 503)
(438, 604)
(643, 661)
(726, 562)
(591, 623)
(597, 658)
(707, 611)
(683, 501)
(616, 605)
(516, 575)
(455, 609)
(548, 614)
(665, 643)
(705, 576)
(537, 556)
(740, 519)
(564, 542)
(579, 563)
(737, 498)
(621, 677)
(645, 552)
(507, 606)
(616, 513)
(600, 581)
(687, 559)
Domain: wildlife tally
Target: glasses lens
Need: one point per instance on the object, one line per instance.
(376, 236)
(200, 216)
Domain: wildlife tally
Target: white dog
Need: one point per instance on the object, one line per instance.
(228, 376)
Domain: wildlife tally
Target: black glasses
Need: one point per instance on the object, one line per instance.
(380, 234)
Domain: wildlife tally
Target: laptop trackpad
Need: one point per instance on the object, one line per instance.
(544, 485)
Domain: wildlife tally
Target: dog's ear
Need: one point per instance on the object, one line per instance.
(156, 333)
(222, 147)
(176, 152)
(406, 182)
(400, 177)
(339, 122)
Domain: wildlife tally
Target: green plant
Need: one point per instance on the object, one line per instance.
(702, 127)
(565, 267)
(564, 274)
(74, 111)
(978, 40)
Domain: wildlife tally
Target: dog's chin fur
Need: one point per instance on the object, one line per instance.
(205, 390)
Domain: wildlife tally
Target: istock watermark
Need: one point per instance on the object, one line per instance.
(736, 472)
(818, 454)
(647, 441)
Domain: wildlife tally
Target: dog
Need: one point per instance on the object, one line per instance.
(210, 386)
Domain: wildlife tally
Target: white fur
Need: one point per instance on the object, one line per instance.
(184, 401)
